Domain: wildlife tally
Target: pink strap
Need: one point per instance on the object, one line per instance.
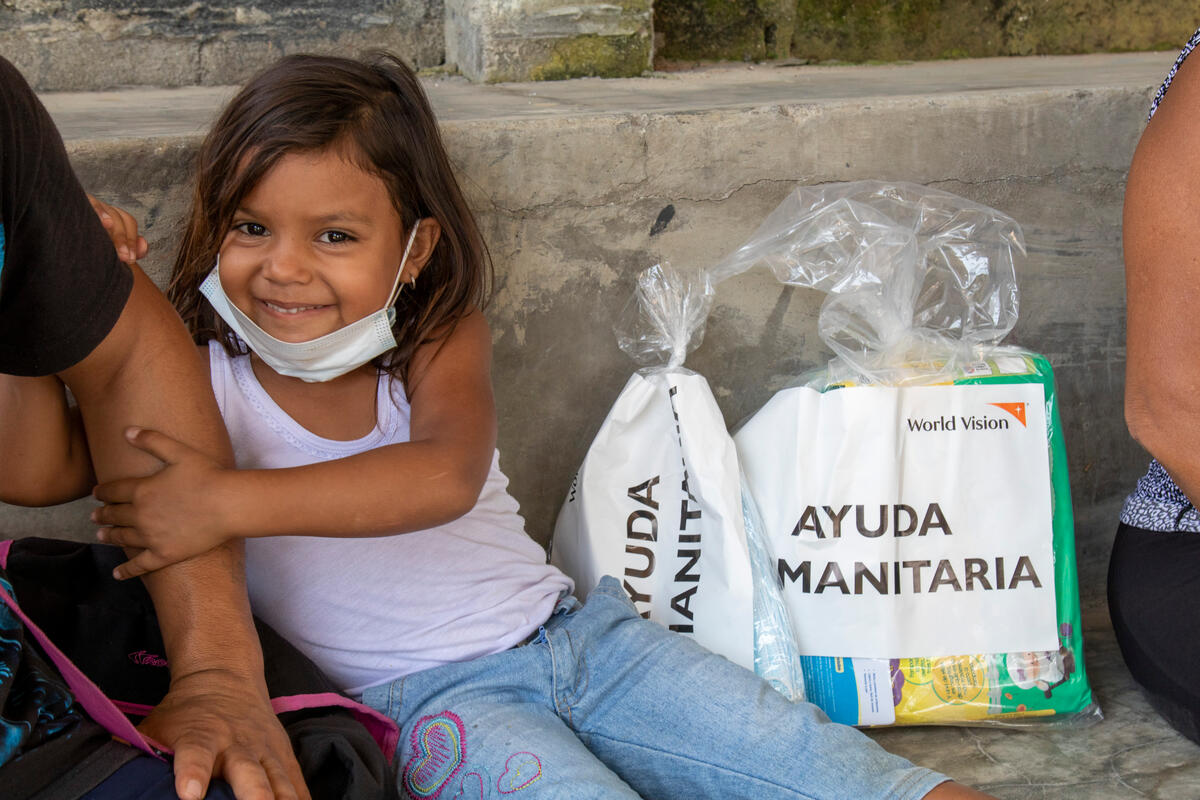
(383, 729)
(94, 701)
(136, 709)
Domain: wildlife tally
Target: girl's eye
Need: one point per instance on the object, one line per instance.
(335, 237)
(250, 229)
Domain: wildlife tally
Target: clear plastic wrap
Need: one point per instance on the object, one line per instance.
(920, 290)
(664, 319)
(776, 659)
(916, 279)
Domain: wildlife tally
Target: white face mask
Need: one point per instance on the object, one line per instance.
(321, 359)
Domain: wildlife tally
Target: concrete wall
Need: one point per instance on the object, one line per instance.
(568, 253)
(521, 40)
(569, 202)
(95, 44)
(865, 30)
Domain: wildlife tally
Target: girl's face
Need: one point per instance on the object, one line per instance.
(314, 246)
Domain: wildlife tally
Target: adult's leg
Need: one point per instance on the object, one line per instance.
(68, 308)
(677, 721)
(1153, 597)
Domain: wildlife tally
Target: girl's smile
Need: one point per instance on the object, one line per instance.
(303, 261)
(289, 309)
(286, 309)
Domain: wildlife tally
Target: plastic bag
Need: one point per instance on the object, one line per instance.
(915, 278)
(921, 516)
(659, 503)
(776, 658)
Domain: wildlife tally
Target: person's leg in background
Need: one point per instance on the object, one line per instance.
(1153, 594)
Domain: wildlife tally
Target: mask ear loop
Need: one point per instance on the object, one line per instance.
(397, 285)
(390, 308)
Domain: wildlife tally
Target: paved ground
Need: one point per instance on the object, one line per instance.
(1130, 754)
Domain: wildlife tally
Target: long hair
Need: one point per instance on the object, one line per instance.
(377, 114)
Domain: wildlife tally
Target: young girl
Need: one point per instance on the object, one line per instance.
(334, 277)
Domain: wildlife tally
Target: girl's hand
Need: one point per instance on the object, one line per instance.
(122, 229)
(172, 515)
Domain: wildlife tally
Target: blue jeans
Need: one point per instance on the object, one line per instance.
(605, 704)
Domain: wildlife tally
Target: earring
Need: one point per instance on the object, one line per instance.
(412, 281)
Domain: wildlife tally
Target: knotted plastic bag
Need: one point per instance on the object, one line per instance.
(659, 503)
(916, 279)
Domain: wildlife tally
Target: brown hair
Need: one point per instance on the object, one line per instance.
(377, 112)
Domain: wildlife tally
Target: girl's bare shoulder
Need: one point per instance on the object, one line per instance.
(462, 352)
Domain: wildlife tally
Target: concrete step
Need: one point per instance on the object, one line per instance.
(573, 183)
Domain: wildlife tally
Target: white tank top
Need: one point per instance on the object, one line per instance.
(370, 610)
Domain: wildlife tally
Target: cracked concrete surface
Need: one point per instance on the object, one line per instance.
(572, 181)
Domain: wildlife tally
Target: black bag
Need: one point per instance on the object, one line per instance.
(101, 644)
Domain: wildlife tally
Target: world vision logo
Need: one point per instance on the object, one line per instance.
(963, 422)
(1016, 409)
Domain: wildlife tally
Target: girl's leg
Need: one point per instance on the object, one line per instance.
(676, 721)
(488, 729)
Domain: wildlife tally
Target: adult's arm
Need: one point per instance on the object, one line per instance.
(46, 459)
(1162, 284)
(45, 455)
(217, 715)
(67, 309)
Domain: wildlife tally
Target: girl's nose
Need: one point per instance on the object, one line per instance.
(286, 262)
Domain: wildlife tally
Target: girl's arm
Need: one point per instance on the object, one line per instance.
(192, 504)
(1162, 279)
(44, 457)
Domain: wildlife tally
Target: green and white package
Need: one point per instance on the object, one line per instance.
(1017, 659)
(914, 491)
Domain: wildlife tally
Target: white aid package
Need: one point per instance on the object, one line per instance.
(658, 501)
(657, 504)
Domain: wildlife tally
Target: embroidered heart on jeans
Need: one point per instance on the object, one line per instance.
(437, 753)
(521, 770)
